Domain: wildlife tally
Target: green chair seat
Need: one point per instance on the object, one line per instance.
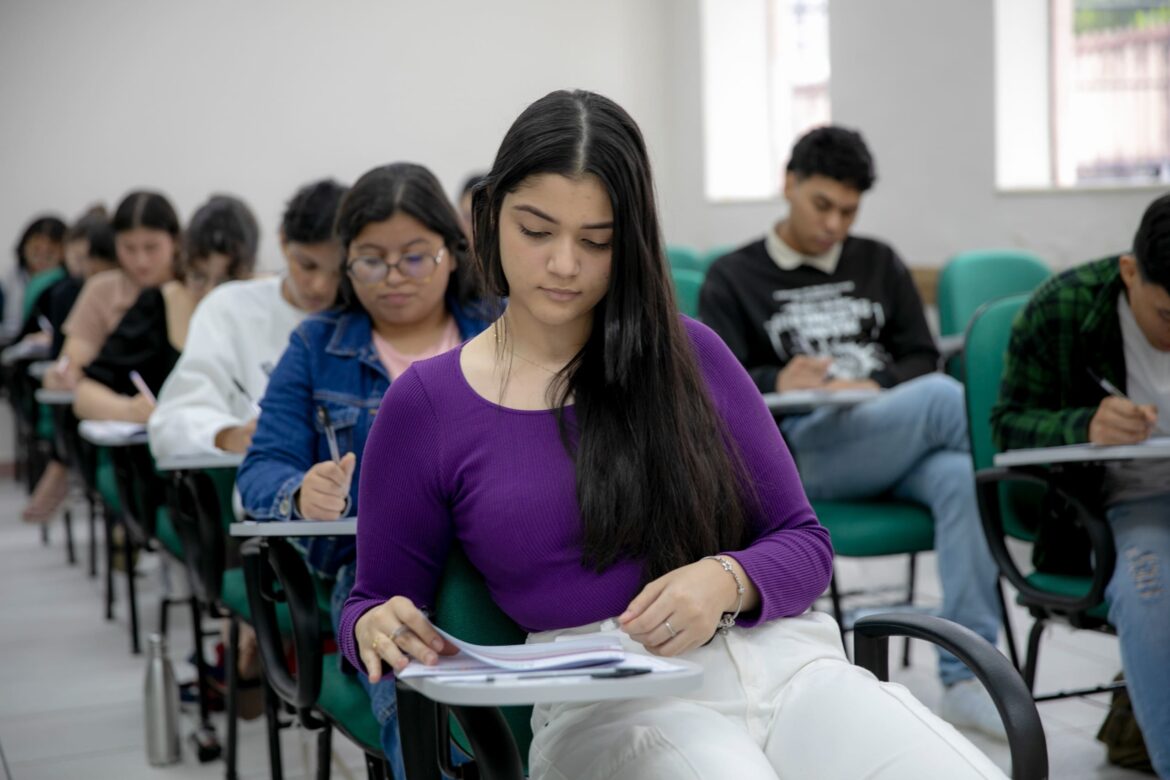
(683, 257)
(106, 482)
(45, 427)
(346, 703)
(1069, 586)
(687, 284)
(864, 529)
(164, 531)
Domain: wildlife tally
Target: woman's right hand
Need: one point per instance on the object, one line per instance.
(395, 632)
(324, 490)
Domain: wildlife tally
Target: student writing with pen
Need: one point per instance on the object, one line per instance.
(219, 245)
(1089, 361)
(408, 293)
(209, 403)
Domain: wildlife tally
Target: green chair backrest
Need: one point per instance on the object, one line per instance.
(687, 285)
(983, 358)
(713, 254)
(971, 279)
(37, 285)
(683, 257)
(465, 608)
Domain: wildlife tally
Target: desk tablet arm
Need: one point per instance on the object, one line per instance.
(991, 510)
(1029, 750)
(270, 562)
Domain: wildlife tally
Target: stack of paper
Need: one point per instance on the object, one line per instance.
(594, 650)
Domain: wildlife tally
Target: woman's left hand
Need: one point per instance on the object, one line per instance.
(681, 609)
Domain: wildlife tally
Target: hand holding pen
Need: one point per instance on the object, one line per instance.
(324, 491)
(1118, 420)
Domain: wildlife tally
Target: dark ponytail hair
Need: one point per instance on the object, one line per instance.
(411, 189)
(653, 482)
(223, 225)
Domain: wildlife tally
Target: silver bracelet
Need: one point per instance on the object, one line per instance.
(727, 620)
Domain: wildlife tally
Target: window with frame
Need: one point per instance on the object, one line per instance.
(765, 82)
(1082, 93)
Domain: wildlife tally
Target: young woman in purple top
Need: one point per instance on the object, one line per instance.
(599, 457)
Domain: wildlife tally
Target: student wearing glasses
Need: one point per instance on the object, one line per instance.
(409, 291)
(601, 459)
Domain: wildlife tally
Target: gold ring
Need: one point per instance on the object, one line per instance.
(673, 633)
(374, 646)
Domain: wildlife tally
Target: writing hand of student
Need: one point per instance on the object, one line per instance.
(395, 632)
(1121, 421)
(56, 379)
(137, 409)
(803, 372)
(692, 598)
(325, 489)
(236, 438)
(852, 384)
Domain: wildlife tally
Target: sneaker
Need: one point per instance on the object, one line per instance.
(967, 704)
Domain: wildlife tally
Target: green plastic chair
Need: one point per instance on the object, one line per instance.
(37, 285)
(714, 253)
(971, 279)
(1011, 502)
(683, 258)
(687, 284)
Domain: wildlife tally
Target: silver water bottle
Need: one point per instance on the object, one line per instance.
(161, 710)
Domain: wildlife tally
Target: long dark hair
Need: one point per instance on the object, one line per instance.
(653, 482)
(411, 189)
(223, 225)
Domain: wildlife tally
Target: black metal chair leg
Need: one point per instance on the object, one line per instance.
(129, 554)
(44, 534)
(70, 552)
(324, 752)
(232, 705)
(164, 606)
(1009, 634)
(272, 714)
(109, 542)
(1033, 655)
(911, 580)
(838, 615)
(92, 537)
(376, 768)
(204, 740)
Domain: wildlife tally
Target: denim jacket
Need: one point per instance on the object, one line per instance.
(330, 362)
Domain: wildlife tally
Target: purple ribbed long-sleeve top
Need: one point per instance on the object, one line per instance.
(443, 464)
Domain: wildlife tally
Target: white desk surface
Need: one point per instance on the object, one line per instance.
(24, 350)
(345, 527)
(38, 369)
(218, 460)
(1085, 453)
(53, 397)
(112, 433)
(560, 689)
(797, 401)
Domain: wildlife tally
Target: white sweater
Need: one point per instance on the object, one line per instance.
(236, 330)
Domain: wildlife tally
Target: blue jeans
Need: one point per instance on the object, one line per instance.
(383, 697)
(911, 443)
(1140, 611)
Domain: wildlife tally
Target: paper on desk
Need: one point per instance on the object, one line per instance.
(112, 432)
(590, 650)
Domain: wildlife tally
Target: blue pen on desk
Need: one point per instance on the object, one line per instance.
(330, 434)
(247, 397)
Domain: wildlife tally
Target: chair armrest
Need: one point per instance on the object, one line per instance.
(987, 484)
(268, 561)
(425, 737)
(195, 514)
(1029, 750)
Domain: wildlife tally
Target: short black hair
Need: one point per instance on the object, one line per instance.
(49, 225)
(835, 152)
(308, 217)
(223, 225)
(1151, 243)
(94, 228)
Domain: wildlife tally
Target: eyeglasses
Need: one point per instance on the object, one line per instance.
(416, 266)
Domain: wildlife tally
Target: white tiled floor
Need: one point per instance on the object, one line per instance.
(71, 693)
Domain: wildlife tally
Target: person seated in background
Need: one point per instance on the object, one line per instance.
(146, 240)
(1089, 361)
(810, 306)
(597, 456)
(465, 192)
(89, 249)
(208, 403)
(409, 293)
(40, 250)
(121, 382)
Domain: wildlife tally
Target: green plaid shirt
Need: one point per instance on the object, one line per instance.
(1068, 329)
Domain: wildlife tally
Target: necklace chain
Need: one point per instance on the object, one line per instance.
(512, 351)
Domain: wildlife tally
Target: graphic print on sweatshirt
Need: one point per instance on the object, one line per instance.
(827, 320)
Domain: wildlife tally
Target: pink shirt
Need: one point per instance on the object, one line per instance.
(396, 362)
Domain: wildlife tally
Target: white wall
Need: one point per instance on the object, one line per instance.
(258, 97)
(918, 79)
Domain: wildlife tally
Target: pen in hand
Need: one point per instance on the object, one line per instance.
(140, 385)
(330, 434)
(1107, 386)
(247, 396)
